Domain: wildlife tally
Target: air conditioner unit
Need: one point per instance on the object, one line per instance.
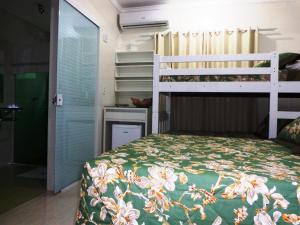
(153, 18)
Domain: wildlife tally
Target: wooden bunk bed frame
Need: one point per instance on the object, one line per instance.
(273, 86)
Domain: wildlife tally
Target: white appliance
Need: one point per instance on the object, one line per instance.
(151, 18)
(124, 133)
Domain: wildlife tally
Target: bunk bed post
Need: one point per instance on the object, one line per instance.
(168, 110)
(273, 113)
(155, 99)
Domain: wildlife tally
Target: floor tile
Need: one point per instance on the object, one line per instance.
(47, 209)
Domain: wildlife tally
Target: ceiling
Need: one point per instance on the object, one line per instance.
(123, 4)
(129, 4)
(29, 11)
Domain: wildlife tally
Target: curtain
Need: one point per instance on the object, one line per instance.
(215, 113)
(218, 113)
(207, 43)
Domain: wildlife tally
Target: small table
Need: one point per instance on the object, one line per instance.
(124, 115)
(9, 114)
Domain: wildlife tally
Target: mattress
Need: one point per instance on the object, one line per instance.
(220, 78)
(184, 179)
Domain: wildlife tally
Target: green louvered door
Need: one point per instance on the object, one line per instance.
(77, 58)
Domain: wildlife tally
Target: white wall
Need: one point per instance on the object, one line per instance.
(104, 14)
(282, 15)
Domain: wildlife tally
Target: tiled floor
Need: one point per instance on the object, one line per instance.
(19, 184)
(47, 209)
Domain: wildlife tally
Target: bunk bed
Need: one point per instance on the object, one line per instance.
(185, 179)
(271, 85)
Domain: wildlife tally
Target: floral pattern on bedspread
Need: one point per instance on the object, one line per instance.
(180, 179)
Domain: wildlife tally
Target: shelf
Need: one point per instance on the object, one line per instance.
(132, 71)
(140, 63)
(133, 85)
(128, 80)
(129, 91)
(134, 65)
(138, 57)
(131, 76)
(11, 109)
(135, 52)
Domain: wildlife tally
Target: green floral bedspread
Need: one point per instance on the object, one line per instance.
(179, 179)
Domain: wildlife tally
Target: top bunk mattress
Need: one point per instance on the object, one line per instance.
(284, 75)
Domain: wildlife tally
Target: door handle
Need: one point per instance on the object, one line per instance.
(58, 100)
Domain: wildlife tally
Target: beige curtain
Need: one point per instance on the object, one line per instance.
(212, 113)
(206, 43)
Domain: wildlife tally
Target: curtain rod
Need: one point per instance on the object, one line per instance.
(231, 30)
(217, 31)
(267, 29)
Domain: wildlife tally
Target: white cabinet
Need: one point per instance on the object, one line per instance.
(124, 133)
(122, 124)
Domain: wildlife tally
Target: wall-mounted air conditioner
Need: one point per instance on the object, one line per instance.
(153, 18)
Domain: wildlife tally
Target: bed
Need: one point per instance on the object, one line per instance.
(185, 179)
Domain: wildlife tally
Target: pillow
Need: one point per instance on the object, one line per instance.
(284, 59)
(291, 132)
(293, 66)
(287, 58)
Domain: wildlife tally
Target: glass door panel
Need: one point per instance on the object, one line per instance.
(77, 58)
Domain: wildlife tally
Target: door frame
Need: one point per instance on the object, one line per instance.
(53, 84)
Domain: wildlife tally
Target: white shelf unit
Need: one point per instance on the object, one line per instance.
(133, 74)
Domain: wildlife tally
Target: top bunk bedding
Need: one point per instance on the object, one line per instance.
(289, 70)
(182, 179)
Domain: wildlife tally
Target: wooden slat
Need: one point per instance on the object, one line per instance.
(216, 71)
(217, 58)
(287, 115)
(229, 87)
(289, 87)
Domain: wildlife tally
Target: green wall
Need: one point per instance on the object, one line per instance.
(30, 141)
